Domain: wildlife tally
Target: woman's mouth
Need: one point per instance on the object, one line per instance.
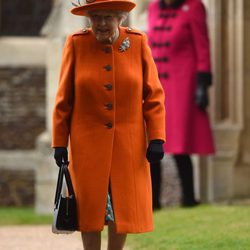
(103, 31)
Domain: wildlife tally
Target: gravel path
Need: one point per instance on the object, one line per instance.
(38, 238)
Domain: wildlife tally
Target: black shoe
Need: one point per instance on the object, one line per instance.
(156, 208)
(193, 203)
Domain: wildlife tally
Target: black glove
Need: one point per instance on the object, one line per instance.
(155, 151)
(201, 94)
(61, 156)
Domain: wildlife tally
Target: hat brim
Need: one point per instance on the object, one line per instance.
(104, 5)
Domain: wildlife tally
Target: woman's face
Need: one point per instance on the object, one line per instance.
(104, 24)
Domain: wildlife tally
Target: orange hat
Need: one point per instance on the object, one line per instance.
(123, 5)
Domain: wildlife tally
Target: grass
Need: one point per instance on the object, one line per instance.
(22, 216)
(201, 228)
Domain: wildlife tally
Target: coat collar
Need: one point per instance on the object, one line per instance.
(174, 5)
(116, 45)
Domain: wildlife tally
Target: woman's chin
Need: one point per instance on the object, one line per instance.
(104, 38)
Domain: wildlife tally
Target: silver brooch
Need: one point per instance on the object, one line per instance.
(125, 45)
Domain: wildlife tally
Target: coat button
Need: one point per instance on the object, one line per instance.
(108, 86)
(107, 50)
(161, 59)
(109, 125)
(162, 28)
(165, 59)
(157, 28)
(109, 106)
(163, 75)
(154, 44)
(108, 67)
(167, 44)
(162, 15)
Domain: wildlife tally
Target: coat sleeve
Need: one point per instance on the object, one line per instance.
(200, 36)
(153, 96)
(64, 98)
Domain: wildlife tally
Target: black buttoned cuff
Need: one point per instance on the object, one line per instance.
(204, 77)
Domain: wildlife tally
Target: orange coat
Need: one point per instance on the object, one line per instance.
(108, 103)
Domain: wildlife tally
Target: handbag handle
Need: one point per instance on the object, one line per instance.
(68, 180)
(58, 187)
(63, 171)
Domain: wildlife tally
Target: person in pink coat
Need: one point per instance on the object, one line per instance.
(178, 37)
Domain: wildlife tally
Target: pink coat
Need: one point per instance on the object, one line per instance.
(179, 41)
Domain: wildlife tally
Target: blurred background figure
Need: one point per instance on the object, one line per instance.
(179, 41)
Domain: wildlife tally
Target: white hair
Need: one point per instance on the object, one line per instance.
(122, 15)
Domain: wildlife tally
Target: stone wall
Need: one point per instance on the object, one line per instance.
(22, 107)
(23, 18)
(22, 119)
(242, 170)
(171, 188)
(16, 187)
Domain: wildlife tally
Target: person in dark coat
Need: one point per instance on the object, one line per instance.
(178, 37)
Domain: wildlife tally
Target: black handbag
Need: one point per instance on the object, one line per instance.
(65, 211)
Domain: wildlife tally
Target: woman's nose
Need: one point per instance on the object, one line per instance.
(102, 21)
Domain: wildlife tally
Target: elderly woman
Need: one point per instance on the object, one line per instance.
(178, 37)
(109, 112)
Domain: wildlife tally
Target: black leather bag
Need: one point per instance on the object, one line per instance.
(65, 212)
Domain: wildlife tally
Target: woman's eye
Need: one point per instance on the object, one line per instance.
(94, 17)
(108, 17)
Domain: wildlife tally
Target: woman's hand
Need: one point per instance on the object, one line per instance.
(61, 156)
(201, 96)
(155, 151)
(204, 80)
